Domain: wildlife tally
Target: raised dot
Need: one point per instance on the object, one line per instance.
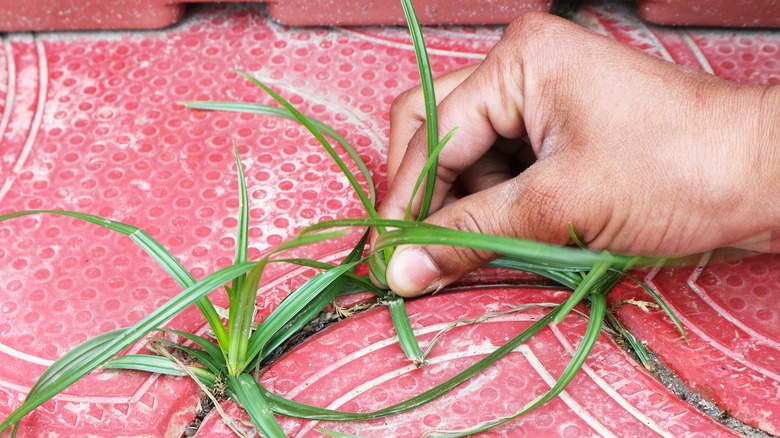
(737, 303)
(764, 314)
(432, 420)
(32, 317)
(140, 293)
(488, 394)
(734, 281)
(8, 307)
(545, 420)
(761, 291)
(37, 295)
(461, 407)
(572, 431)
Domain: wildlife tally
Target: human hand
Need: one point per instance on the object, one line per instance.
(560, 125)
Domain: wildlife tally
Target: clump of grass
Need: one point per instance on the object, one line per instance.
(239, 346)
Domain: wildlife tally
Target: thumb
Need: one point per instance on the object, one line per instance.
(527, 207)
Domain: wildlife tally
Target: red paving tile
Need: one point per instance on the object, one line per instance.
(20, 15)
(357, 365)
(731, 312)
(90, 122)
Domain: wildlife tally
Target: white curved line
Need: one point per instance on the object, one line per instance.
(24, 356)
(11, 90)
(524, 349)
(691, 327)
(435, 328)
(564, 396)
(705, 64)
(43, 81)
(659, 45)
(409, 47)
(134, 398)
(692, 283)
(611, 391)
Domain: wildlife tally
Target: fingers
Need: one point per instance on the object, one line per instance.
(479, 107)
(529, 206)
(407, 114)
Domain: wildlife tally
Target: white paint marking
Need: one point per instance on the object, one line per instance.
(612, 392)
(706, 338)
(11, 88)
(692, 283)
(43, 81)
(410, 47)
(705, 64)
(564, 396)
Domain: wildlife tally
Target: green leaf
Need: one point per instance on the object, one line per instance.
(160, 365)
(639, 349)
(292, 408)
(200, 355)
(161, 255)
(247, 392)
(242, 237)
(317, 303)
(403, 328)
(597, 312)
(568, 279)
(431, 163)
(360, 282)
(242, 312)
(94, 352)
(539, 254)
(291, 306)
(583, 289)
(209, 347)
(429, 97)
(336, 434)
(661, 302)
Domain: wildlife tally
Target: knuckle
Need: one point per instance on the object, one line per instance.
(532, 26)
(404, 105)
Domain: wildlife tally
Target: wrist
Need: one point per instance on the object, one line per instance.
(758, 144)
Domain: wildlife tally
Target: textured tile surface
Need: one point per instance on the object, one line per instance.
(91, 122)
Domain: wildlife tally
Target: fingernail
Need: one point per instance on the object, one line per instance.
(412, 272)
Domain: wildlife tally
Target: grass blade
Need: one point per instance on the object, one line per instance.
(636, 345)
(199, 355)
(242, 312)
(661, 302)
(431, 116)
(89, 355)
(542, 255)
(242, 237)
(583, 289)
(247, 392)
(159, 365)
(359, 282)
(209, 347)
(336, 434)
(597, 312)
(431, 163)
(403, 328)
(317, 303)
(292, 408)
(291, 306)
